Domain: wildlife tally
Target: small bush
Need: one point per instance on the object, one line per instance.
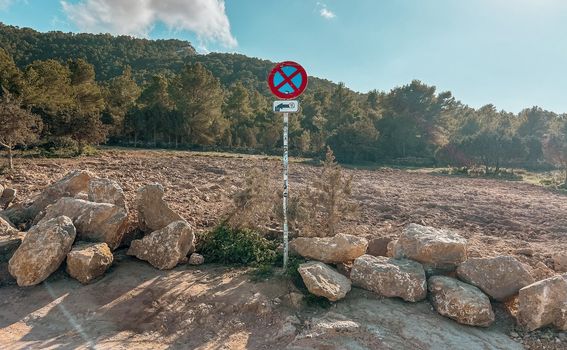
(228, 245)
(328, 200)
(253, 204)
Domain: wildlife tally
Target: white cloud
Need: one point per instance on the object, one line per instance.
(206, 18)
(327, 14)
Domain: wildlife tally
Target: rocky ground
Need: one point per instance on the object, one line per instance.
(214, 308)
(211, 307)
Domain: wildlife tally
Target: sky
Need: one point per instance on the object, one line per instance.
(511, 53)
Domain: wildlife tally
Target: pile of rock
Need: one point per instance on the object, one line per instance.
(426, 261)
(82, 219)
(168, 237)
(320, 278)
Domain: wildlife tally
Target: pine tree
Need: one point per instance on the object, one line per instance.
(239, 112)
(158, 108)
(121, 95)
(198, 96)
(10, 75)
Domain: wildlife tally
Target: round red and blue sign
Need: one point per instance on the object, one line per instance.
(287, 80)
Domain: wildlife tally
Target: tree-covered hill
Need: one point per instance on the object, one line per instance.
(232, 68)
(93, 89)
(109, 54)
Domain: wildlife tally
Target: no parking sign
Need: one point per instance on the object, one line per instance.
(287, 80)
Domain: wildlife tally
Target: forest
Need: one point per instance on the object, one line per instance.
(63, 90)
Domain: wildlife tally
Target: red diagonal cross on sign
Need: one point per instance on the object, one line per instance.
(287, 79)
(276, 83)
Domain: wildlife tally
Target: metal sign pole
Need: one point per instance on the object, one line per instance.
(285, 189)
(287, 81)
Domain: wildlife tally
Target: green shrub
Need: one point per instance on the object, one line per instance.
(226, 245)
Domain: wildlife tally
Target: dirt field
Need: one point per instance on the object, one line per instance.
(135, 306)
(496, 216)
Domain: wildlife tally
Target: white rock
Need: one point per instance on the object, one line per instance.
(324, 281)
(432, 247)
(87, 261)
(461, 302)
(153, 213)
(44, 248)
(500, 277)
(390, 277)
(69, 186)
(95, 222)
(543, 303)
(107, 191)
(338, 249)
(165, 248)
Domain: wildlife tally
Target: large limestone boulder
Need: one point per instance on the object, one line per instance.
(390, 277)
(461, 302)
(87, 261)
(7, 197)
(44, 248)
(153, 213)
(165, 248)
(338, 249)
(69, 186)
(95, 222)
(500, 277)
(434, 248)
(322, 280)
(107, 191)
(543, 303)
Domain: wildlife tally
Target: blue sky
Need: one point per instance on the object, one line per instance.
(512, 53)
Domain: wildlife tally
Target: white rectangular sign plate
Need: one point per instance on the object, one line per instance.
(291, 106)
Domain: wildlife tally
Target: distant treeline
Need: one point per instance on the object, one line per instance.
(93, 89)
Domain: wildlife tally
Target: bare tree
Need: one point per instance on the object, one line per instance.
(253, 204)
(18, 126)
(259, 203)
(330, 196)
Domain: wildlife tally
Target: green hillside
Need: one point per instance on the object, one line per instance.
(93, 89)
(111, 54)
